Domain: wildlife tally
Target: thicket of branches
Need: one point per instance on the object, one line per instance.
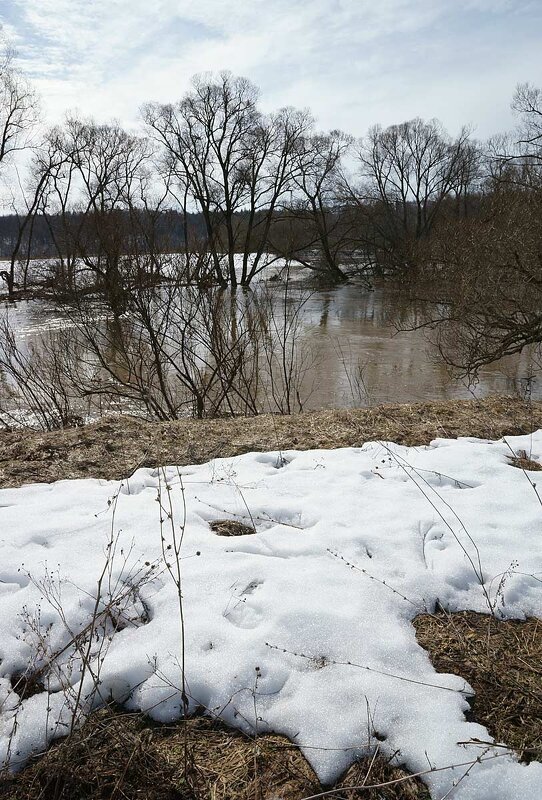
(483, 271)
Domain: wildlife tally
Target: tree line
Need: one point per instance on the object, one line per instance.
(232, 190)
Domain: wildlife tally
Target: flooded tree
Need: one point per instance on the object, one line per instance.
(233, 164)
(326, 223)
(91, 184)
(407, 172)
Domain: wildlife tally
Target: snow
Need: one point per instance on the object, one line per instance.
(303, 628)
(270, 267)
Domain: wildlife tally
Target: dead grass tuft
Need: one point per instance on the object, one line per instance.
(230, 527)
(26, 684)
(522, 461)
(502, 660)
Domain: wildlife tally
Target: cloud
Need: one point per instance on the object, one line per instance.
(354, 62)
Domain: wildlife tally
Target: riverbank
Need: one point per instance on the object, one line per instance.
(114, 447)
(117, 752)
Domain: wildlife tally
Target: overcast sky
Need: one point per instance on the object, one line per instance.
(352, 62)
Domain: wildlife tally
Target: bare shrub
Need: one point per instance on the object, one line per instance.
(482, 276)
(37, 388)
(179, 350)
(286, 362)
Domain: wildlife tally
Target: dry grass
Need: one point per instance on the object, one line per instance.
(124, 757)
(502, 660)
(230, 527)
(115, 446)
(522, 461)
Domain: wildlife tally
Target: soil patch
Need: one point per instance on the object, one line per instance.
(502, 661)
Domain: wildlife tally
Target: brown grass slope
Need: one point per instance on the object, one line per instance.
(113, 447)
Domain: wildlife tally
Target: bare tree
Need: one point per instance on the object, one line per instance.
(18, 107)
(18, 115)
(407, 172)
(56, 174)
(232, 164)
(325, 219)
(499, 167)
(272, 163)
(527, 103)
(91, 181)
(108, 162)
(204, 136)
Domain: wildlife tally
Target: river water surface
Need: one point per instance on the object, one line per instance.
(357, 356)
(395, 366)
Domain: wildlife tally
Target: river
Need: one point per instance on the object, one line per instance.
(354, 353)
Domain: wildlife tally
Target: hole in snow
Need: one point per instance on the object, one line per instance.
(13, 578)
(277, 460)
(26, 684)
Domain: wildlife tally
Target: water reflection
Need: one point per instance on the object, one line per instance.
(351, 330)
(357, 356)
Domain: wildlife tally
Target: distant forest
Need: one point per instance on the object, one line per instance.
(169, 231)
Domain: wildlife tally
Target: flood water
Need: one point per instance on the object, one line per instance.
(396, 366)
(356, 355)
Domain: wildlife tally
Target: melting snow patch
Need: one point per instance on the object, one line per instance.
(302, 627)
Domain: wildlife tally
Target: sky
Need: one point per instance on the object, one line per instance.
(352, 62)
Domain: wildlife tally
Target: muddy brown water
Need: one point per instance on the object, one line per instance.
(361, 358)
(356, 356)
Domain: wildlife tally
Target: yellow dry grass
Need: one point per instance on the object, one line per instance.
(120, 756)
(502, 661)
(113, 447)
